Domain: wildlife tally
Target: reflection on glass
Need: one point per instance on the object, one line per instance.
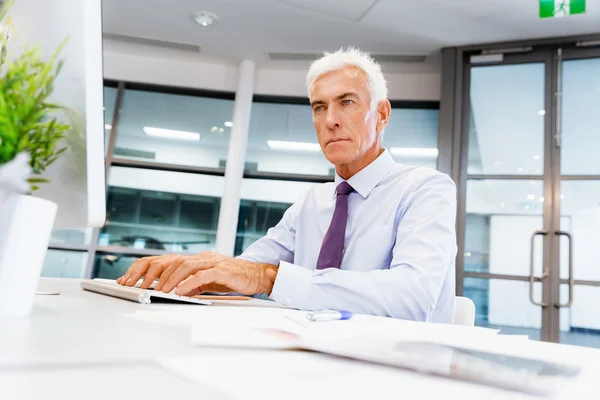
(65, 264)
(580, 117)
(506, 127)
(172, 211)
(112, 266)
(580, 324)
(505, 305)
(174, 129)
(157, 220)
(110, 99)
(263, 205)
(256, 217)
(501, 216)
(412, 136)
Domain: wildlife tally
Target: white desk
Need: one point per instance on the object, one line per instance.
(80, 345)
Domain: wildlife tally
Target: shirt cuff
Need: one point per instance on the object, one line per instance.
(292, 285)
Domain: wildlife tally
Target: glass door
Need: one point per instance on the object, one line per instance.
(577, 241)
(505, 180)
(529, 223)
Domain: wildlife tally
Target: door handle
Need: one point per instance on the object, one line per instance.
(531, 273)
(571, 277)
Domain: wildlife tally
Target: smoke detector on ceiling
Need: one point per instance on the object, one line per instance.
(205, 18)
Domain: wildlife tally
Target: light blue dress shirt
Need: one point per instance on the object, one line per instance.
(399, 253)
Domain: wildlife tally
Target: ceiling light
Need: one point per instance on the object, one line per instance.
(228, 124)
(541, 199)
(468, 254)
(542, 112)
(532, 183)
(519, 170)
(221, 130)
(530, 197)
(527, 207)
(205, 18)
(562, 196)
(536, 158)
(171, 134)
(414, 152)
(293, 146)
(502, 205)
(107, 127)
(214, 129)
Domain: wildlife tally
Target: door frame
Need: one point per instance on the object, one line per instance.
(565, 52)
(454, 127)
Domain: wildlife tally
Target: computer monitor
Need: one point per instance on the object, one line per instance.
(77, 179)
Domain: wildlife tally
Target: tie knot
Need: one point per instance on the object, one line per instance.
(344, 189)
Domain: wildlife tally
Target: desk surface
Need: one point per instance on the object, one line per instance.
(83, 345)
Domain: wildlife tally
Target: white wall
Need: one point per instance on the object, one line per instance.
(175, 68)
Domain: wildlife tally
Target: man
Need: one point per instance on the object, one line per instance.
(380, 240)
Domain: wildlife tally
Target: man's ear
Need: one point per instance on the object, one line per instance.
(384, 109)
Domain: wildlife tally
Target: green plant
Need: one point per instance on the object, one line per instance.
(29, 122)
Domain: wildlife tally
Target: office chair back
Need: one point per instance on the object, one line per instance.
(464, 311)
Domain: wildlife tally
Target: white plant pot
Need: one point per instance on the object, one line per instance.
(25, 227)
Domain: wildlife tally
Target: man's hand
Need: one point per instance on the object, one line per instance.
(204, 272)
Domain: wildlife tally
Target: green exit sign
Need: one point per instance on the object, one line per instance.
(561, 8)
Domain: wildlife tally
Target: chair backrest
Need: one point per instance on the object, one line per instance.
(464, 311)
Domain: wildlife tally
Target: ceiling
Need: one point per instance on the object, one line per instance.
(254, 28)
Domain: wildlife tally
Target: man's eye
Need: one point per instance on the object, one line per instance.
(319, 108)
(346, 102)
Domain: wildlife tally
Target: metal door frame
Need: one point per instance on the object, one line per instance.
(454, 130)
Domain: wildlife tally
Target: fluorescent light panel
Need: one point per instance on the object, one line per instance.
(293, 146)
(414, 152)
(171, 134)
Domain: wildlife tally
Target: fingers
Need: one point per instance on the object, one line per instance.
(187, 268)
(164, 277)
(155, 269)
(195, 282)
(135, 271)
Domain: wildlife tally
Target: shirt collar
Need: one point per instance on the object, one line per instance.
(369, 177)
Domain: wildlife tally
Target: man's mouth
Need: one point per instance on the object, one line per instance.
(336, 141)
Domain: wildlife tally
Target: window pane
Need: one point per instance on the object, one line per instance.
(72, 236)
(580, 215)
(580, 117)
(263, 204)
(501, 217)
(580, 324)
(276, 128)
(287, 123)
(162, 210)
(65, 264)
(110, 99)
(112, 266)
(506, 128)
(505, 305)
(174, 129)
(412, 136)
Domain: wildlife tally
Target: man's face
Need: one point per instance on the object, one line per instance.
(345, 124)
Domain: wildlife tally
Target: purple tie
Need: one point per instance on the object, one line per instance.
(333, 242)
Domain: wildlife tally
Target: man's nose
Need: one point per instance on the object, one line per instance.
(332, 120)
